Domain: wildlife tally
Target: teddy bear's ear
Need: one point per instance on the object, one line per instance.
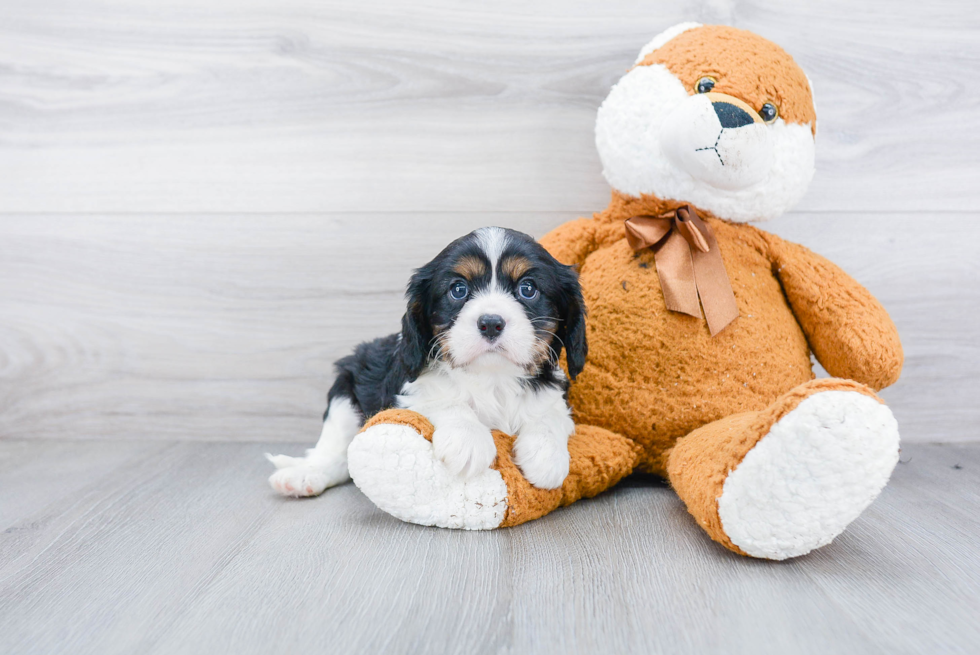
(664, 37)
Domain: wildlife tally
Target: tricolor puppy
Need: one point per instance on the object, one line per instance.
(478, 350)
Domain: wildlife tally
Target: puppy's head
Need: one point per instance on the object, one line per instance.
(714, 116)
(494, 300)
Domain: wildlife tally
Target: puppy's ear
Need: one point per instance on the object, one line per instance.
(572, 327)
(416, 328)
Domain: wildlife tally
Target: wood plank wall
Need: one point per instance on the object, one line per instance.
(204, 203)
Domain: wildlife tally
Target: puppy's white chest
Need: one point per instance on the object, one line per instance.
(499, 401)
(499, 404)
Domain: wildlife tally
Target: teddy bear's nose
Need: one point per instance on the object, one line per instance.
(731, 115)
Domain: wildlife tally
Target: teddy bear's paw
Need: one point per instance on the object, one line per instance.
(306, 476)
(398, 470)
(813, 473)
(543, 459)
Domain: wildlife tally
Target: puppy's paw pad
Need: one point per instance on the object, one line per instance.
(299, 481)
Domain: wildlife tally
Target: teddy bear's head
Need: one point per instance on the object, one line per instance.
(713, 116)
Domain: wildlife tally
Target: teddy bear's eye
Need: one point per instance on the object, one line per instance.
(705, 84)
(769, 112)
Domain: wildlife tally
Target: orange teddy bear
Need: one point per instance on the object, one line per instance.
(712, 127)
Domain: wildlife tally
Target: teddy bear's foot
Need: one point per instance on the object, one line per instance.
(392, 461)
(815, 471)
(394, 464)
(789, 479)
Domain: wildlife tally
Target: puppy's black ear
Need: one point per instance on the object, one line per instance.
(416, 328)
(572, 327)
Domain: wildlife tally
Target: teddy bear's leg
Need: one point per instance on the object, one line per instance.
(393, 463)
(783, 481)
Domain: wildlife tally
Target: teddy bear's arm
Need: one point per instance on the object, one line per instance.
(571, 242)
(849, 331)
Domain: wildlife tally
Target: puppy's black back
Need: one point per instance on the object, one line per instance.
(372, 376)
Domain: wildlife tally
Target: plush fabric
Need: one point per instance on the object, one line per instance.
(598, 460)
(745, 65)
(700, 463)
(393, 462)
(660, 394)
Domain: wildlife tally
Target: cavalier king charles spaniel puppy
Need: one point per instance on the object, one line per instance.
(478, 350)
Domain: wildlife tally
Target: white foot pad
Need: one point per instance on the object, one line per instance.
(819, 467)
(398, 471)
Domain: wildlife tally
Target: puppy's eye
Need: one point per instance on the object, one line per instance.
(705, 84)
(769, 112)
(528, 289)
(459, 290)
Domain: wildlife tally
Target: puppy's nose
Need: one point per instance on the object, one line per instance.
(731, 115)
(491, 325)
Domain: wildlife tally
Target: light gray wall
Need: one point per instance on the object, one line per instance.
(203, 203)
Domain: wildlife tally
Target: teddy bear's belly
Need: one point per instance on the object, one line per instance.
(656, 375)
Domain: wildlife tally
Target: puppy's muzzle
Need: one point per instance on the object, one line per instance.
(491, 326)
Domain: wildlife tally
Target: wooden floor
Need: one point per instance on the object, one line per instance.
(179, 547)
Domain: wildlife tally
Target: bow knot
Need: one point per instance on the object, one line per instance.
(689, 264)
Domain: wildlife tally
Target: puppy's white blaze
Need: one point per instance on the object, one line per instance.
(516, 343)
(629, 140)
(325, 465)
(492, 242)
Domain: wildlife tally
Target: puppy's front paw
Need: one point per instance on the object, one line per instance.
(467, 449)
(543, 459)
(303, 476)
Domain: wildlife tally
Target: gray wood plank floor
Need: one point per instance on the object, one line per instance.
(179, 547)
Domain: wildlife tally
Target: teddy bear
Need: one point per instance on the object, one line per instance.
(701, 326)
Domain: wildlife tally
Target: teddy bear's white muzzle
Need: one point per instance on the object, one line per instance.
(695, 140)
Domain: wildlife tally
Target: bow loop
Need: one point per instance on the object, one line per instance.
(689, 231)
(689, 264)
(644, 231)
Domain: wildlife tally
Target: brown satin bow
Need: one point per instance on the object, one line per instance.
(689, 264)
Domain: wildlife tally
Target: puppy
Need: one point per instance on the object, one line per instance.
(478, 350)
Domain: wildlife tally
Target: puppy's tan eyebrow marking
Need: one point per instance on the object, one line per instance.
(470, 267)
(516, 266)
